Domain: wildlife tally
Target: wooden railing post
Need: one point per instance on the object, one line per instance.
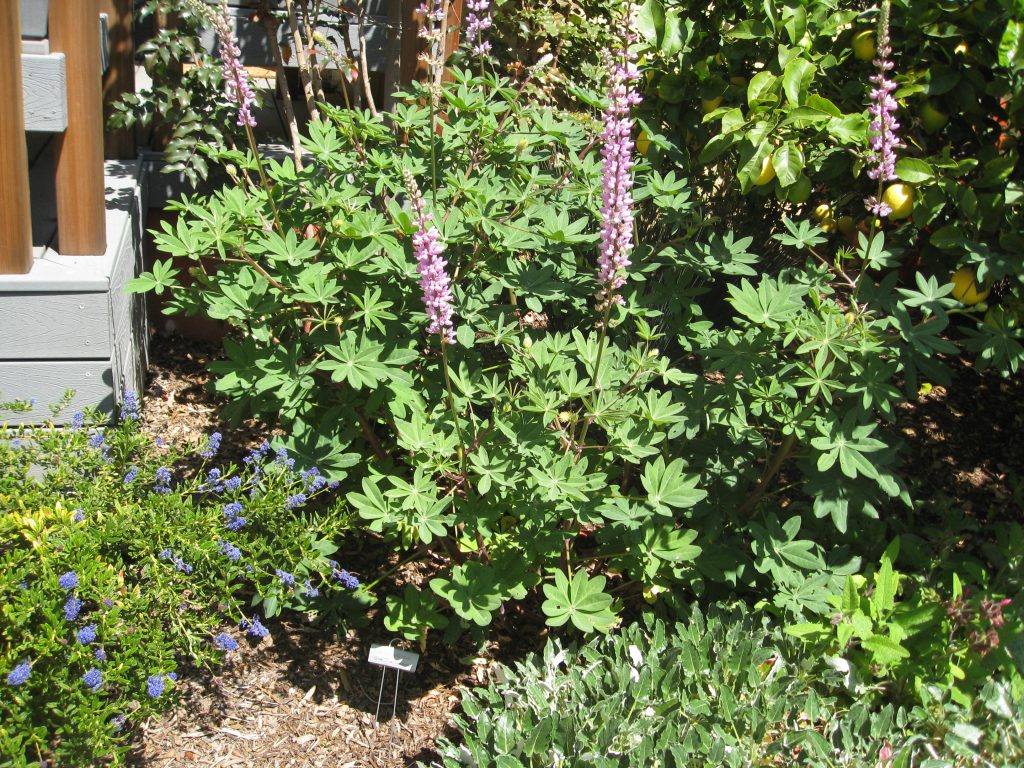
(15, 216)
(120, 75)
(81, 209)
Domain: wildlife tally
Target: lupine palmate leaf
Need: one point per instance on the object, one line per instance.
(581, 601)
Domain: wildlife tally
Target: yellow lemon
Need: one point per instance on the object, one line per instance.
(966, 288)
(932, 118)
(845, 224)
(767, 173)
(822, 211)
(828, 224)
(710, 105)
(962, 48)
(864, 45)
(899, 197)
(643, 143)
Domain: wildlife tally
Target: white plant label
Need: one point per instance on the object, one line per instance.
(395, 658)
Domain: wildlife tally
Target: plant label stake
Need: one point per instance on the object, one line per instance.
(398, 659)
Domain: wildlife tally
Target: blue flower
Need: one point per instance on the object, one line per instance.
(308, 590)
(225, 642)
(130, 406)
(93, 679)
(19, 674)
(72, 607)
(68, 581)
(254, 627)
(155, 685)
(234, 509)
(176, 561)
(79, 516)
(100, 655)
(77, 420)
(130, 475)
(96, 441)
(295, 500)
(86, 634)
(162, 480)
(118, 721)
(230, 551)
(22, 585)
(233, 483)
(346, 579)
(235, 523)
(286, 578)
(212, 446)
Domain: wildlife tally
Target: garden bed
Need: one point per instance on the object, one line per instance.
(305, 697)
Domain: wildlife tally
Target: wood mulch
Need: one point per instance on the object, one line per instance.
(302, 698)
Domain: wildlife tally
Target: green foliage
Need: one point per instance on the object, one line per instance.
(186, 107)
(886, 626)
(596, 457)
(724, 690)
(144, 529)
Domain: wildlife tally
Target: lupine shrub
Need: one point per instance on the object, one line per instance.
(523, 347)
(725, 690)
(123, 563)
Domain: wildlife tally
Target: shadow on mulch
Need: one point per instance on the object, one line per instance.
(965, 442)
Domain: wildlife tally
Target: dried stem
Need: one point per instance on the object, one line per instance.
(271, 25)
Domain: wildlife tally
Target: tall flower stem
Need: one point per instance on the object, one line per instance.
(883, 135)
(597, 372)
(264, 181)
(455, 413)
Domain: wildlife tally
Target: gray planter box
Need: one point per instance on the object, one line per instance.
(33, 18)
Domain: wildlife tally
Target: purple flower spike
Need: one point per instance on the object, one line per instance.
(434, 281)
(236, 79)
(478, 21)
(616, 179)
(883, 128)
(225, 642)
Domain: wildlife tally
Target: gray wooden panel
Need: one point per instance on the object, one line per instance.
(46, 382)
(44, 89)
(44, 326)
